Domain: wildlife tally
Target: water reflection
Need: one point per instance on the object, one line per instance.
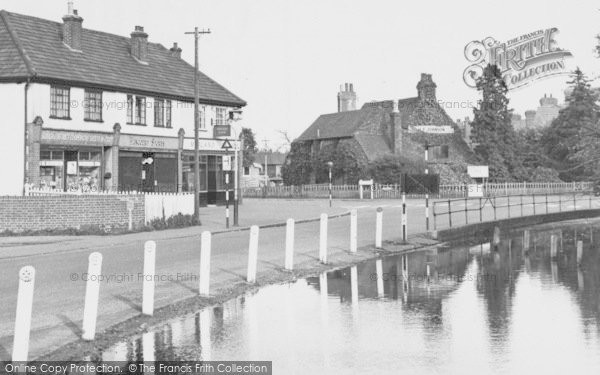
(507, 306)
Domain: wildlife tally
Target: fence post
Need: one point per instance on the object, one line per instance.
(546, 203)
(289, 244)
(466, 211)
(205, 250)
(494, 204)
(323, 240)
(148, 284)
(23, 318)
(378, 228)
(449, 214)
(404, 218)
(252, 254)
(92, 292)
(427, 212)
(353, 230)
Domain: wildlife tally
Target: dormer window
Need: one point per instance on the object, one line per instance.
(60, 102)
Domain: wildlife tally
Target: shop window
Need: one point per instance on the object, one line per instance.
(51, 155)
(60, 98)
(220, 116)
(89, 156)
(93, 105)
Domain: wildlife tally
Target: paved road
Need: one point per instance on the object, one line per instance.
(59, 289)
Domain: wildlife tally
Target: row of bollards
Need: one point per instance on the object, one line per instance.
(92, 293)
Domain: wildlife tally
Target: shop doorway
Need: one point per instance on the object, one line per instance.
(70, 170)
(148, 172)
(211, 196)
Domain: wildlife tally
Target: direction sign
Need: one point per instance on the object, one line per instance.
(226, 145)
(226, 163)
(222, 131)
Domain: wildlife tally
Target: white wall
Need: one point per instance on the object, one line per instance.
(12, 130)
(115, 110)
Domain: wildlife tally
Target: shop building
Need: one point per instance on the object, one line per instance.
(87, 110)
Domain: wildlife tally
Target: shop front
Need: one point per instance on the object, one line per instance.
(148, 164)
(70, 161)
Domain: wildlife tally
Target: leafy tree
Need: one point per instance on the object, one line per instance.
(572, 140)
(298, 166)
(492, 132)
(250, 148)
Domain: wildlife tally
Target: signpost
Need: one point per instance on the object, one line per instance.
(479, 173)
(227, 169)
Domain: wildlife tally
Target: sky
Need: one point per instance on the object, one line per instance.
(288, 58)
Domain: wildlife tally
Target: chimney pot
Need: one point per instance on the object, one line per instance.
(72, 28)
(175, 50)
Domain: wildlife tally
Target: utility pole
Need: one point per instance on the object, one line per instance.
(196, 33)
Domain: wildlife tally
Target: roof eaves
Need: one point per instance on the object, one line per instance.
(17, 42)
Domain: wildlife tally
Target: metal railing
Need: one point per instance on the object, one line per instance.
(460, 211)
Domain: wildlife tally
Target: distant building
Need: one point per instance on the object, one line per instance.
(390, 127)
(542, 117)
(269, 161)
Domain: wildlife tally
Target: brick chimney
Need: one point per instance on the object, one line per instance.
(71, 28)
(346, 98)
(139, 44)
(426, 88)
(175, 50)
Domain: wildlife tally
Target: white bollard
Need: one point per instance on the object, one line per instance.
(428, 273)
(353, 231)
(579, 252)
(23, 317)
(92, 293)
(379, 274)
(205, 249)
(289, 244)
(323, 240)
(149, 271)
(354, 284)
(553, 246)
(496, 239)
(252, 254)
(379, 228)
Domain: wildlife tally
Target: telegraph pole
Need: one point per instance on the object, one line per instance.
(196, 33)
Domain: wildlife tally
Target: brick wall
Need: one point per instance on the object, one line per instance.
(69, 211)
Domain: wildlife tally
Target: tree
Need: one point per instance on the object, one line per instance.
(250, 149)
(492, 132)
(571, 142)
(298, 166)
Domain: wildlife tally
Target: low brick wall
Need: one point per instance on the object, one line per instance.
(486, 229)
(36, 213)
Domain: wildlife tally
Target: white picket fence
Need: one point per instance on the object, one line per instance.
(165, 205)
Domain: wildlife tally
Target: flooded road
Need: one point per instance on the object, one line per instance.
(471, 308)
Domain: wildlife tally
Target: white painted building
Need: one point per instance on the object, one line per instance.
(84, 109)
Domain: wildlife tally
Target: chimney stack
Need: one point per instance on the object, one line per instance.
(346, 98)
(71, 28)
(139, 44)
(175, 50)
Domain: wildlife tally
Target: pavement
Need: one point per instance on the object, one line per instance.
(61, 262)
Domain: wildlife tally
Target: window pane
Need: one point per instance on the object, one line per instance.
(168, 114)
(159, 119)
(140, 110)
(59, 101)
(130, 109)
(93, 105)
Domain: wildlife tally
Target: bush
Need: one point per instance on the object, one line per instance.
(388, 169)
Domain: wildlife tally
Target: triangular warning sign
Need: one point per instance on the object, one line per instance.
(226, 144)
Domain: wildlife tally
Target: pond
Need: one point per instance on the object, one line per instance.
(507, 308)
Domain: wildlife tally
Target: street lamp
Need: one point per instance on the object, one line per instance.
(330, 165)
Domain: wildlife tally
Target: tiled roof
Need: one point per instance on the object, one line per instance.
(374, 146)
(339, 125)
(32, 47)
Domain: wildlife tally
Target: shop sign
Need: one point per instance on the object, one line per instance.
(70, 138)
(71, 167)
(207, 144)
(222, 131)
(147, 142)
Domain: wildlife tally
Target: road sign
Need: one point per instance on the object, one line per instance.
(222, 131)
(226, 163)
(226, 145)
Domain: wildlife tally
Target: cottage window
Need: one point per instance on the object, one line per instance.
(130, 109)
(162, 113)
(140, 110)
(220, 116)
(93, 105)
(60, 98)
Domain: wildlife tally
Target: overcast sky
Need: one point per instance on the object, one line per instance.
(287, 58)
